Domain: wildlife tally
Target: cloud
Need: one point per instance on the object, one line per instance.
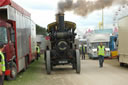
(38, 4)
(43, 12)
(93, 19)
(41, 7)
(43, 17)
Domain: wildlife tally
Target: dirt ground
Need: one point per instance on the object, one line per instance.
(91, 74)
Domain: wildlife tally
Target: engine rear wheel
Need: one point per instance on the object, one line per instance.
(78, 61)
(48, 62)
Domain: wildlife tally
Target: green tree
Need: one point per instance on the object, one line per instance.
(41, 30)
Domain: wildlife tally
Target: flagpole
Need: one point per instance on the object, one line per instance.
(102, 18)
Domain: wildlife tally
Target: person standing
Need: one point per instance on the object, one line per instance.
(101, 54)
(83, 52)
(2, 65)
(37, 52)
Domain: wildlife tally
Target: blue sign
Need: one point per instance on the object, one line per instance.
(103, 31)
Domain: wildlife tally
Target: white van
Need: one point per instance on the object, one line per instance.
(93, 42)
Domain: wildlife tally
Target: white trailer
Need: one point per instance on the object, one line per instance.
(93, 41)
(18, 34)
(123, 41)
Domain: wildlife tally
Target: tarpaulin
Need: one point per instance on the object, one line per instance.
(4, 2)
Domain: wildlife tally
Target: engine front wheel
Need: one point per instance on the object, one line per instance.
(78, 66)
(48, 62)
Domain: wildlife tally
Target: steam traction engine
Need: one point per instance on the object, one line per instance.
(61, 48)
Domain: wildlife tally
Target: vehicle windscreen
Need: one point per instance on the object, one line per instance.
(106, 44)
(94, 45)
(3, 35)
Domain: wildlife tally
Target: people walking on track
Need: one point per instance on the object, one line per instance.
(2, 65)
(101, 54)
(83, 52)
(37, 52)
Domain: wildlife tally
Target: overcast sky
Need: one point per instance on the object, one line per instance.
(43, 12)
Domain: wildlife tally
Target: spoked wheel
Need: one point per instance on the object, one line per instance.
(48, 62)
(13, 73)
(77, 61)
